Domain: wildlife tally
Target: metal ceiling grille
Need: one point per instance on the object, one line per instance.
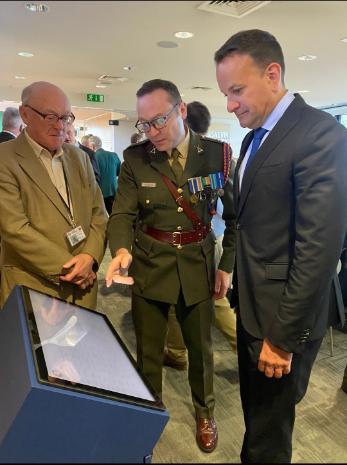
(235, 8)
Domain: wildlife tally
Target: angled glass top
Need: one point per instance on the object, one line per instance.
(80, 349)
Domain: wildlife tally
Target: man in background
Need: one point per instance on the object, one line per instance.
(71, 139)
(109, 166)
(12, 124)
(52, 216)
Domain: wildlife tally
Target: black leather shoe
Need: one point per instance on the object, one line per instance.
(206, 434)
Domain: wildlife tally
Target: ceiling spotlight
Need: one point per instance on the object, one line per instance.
(37, 7)
(128, 68)
(101, 86)
(344, 39)
(20, 77)
(307, 57)
(25, 54)
(184, 35)
(122, 79)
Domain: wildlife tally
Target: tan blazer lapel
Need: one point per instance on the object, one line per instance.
(75, 181)
(32, 166)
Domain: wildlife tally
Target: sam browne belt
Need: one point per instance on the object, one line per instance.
(178, 238)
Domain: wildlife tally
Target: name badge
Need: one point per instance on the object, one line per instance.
(75, 236)
(148, 184)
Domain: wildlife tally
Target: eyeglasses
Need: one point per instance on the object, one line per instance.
(52, 118)
(157, 123)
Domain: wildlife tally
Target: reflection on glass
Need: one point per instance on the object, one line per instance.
(79, 347)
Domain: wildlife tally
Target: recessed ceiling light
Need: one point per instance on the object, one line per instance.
(122, 79)
(301, 91)
(128, 68)
(167, 44)
(101, 86)
(307, 57)
(37, 7)
(20, 77)
(184, 35)
(25, 54)
(344, 39)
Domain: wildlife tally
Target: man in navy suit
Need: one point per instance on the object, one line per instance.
(290, 190)
(12, 124)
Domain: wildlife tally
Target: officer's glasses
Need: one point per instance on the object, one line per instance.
(52, 118)
(157, 123)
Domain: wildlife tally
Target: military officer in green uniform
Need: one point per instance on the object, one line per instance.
(159, 232)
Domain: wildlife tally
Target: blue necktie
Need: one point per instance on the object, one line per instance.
(259, 133)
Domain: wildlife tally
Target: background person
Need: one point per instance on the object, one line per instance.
(52, 216)
(71, 139)
(171, 246)
(12, 124)
(290, 193)
(109, 166)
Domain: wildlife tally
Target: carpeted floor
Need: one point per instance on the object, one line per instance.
(320, 434)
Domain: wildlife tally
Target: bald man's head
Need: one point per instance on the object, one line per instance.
(42, 102)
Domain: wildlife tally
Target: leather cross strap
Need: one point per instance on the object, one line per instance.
(196, 220)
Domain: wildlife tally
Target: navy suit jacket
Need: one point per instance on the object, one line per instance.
(291, 220)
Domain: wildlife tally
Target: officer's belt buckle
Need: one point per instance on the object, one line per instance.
(177, 234)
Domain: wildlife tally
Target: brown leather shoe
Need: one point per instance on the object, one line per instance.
(206, 434)
(173, 363)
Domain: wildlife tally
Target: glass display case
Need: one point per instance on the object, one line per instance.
(78, 348)
(70, 391)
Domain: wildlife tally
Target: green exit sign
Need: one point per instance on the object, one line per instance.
(95, 98)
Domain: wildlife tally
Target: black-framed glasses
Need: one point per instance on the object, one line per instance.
(52, 118)
(157, 123)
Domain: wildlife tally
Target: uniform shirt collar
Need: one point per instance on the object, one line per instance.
(183, 147)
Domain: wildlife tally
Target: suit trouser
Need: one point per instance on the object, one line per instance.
(150, 321)
(269, 403)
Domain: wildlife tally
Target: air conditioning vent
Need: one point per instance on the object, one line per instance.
(234, 8)
(107, 77)
(201, 88)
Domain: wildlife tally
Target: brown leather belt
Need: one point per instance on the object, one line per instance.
(178, 238)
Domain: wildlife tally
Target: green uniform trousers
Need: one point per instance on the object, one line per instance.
(150, 320)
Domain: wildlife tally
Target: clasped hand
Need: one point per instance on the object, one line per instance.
(273, 361)
(82, 273)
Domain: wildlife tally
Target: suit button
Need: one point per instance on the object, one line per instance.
(179, 190)
(179, 247)
(179, 228)
(180, 209)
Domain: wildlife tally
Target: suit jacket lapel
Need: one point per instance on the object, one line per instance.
(278, 133)
(32, 166)
(244, 146)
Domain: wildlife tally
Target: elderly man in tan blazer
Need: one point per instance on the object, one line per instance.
(52, 215)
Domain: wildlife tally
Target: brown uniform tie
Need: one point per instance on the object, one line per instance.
(176, 166)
